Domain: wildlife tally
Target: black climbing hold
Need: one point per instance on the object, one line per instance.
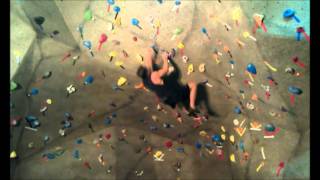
(270, 127)
(47, 75)
(39, 20)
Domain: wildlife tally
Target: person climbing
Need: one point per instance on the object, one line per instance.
(168, 90)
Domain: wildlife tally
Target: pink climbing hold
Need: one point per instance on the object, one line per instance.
(103, 39)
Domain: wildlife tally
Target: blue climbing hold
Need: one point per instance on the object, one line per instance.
(134, 21)
(87, 44)
(208, 145)
(241, 145)
(290, 13)
(294, 90)
(251, 69)
(270, 127)
(34, 91)
(216, 138)
(107, 121)
(76, 154)
(50, 156)
(198, 145)
(116, 9)
(237, 110)
(88, 80)
(33, 121)
(204, 30)
(67, 124)
(110, 2)
(79, 141)
(180, 149)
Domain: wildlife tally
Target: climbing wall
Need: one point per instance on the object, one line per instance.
(96, 123)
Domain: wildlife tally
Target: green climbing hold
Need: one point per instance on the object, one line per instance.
(88, 15)
(13, 86)
(178, 31)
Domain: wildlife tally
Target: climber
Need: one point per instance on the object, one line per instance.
(168, 90)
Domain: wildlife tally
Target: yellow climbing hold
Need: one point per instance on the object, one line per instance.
(121, 81)
(231, 138)
(223, 129)
(13, 154)
(139, 57)
(202, 133)
(157, 24)
(180, 45)
(236, 13)
(113, 54)
(232, 158)
(49, 101)
(260, 166)
(223, 137)
(270, 67)
(119, 63)
(190, 69)
(117, 21)
(202, 67)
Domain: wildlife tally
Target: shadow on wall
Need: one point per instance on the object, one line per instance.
(47, 14)
(23, 76)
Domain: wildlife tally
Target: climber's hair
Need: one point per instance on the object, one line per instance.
(142, 72)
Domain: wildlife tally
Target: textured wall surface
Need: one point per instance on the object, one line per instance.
(277, 46)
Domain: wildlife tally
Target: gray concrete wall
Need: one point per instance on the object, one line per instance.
(289, 146)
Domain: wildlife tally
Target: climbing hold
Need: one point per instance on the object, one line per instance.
(47, 75)
(251, 69)
(232, 158)
(176, 32)
(121, 81)
(76, 154)
(290, 13)
(88, 80)
(236, 122)
(246, 34)
(216, 138)
(116, 9)
(13, 155)
(290, 70)
(198, 145)
(269, 66)
(270, 127)
(294, 90)
(79, 141)
(103, 39)
(88, 15)
(223, 137)
(190, 69)
(185, 59)
(231, 138)
(237, 110)
(112, 54)
(202, 67)
(13, 86)
(34, 91)
(49, 101)
(136, 22)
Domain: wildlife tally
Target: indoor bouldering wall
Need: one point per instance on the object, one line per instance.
(79, 112)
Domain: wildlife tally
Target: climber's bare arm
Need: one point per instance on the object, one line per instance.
(165, 67)
(148, 60)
